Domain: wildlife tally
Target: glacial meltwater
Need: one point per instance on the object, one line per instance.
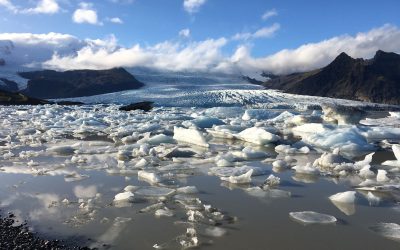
(248, 169)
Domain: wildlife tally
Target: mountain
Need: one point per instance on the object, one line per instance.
(374, 80)
(8, 85)
(50, 84)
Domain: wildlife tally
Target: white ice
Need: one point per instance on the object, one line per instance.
(257, 136)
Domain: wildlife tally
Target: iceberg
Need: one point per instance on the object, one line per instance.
(240, 179)
(257, 136)
(190, 136)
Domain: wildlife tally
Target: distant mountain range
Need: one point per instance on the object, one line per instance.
(374, 80)
(50, 84)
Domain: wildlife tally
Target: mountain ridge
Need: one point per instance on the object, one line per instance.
(371, 80)
(50, 84)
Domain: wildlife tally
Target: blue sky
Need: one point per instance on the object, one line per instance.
(153, 21)
(233, 30)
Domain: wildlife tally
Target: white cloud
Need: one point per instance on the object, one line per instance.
(268, 14)
(122, 1)
(315, 55)
(43, 7)
(184, 33)
(167, 56)
(62, 51)
(264, 32)
(8, 5)
(193, 6)
(86, 14)
(116, 20)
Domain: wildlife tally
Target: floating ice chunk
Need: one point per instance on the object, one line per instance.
(330, 160)
(396, 152)
(307, 169)
(257, 136)
(382, 176)
(346, 208)
(155, 191)
(282, 117)
(131, 188)
(373, 200)
(203, 122)
(348, 139)
(280, 164)
(366, 172)
(310, 217)
(367, 160)
(394, 114)
(235, 171)
(259, 114)
(141, 164)
(343, 114)
(286, 149)
(215, 231)
(272, 181)
(190, 240)
(191, 136)
(157, 140)
(310, 128)
(388, 230)
(125, 196)
(249, 153)
(225, 160)
(344, 197)
(164, 212)
(267, 192)
(187, 190)
(241, 179)
(152, 207)
(148, 176)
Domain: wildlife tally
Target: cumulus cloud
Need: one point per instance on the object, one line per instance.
(315, 55)
(116, 20)
(264, 32)
(167, 56)
(193, 6)
(184, 33)
(268, 14)
(86, 14)
(62, 51)
(28, 48)
(43, 7)
(8, 5)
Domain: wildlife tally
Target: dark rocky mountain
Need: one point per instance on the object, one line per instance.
(2, 62)
(374, 80)
(8, 85)
(49, 84)
(8, 98)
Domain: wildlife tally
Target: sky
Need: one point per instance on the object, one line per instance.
(280, 36)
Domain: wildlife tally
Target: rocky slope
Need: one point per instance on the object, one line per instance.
(8, 98)
(49, 84)
(8, 85)
(373, 80)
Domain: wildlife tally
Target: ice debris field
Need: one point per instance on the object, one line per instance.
(183, 177)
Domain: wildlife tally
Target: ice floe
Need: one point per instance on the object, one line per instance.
(311, 217)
